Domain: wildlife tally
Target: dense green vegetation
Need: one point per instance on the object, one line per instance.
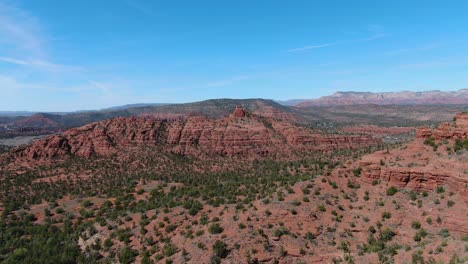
(461, 144)
(22, 241)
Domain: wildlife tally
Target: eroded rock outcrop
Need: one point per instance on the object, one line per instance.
(456, 130)
(239, 112)
(239, 134)
(421, 165)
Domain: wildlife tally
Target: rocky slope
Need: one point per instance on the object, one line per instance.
(240, 134)
(330, 207)
(398, 98)
(429, 161)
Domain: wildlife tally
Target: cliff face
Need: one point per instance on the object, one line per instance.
(446, 131)
(99, 138)
(461, 120)
(238, 134)
(416, 179)
(421, 166)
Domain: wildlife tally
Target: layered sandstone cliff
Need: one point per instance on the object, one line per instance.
(456, 130)
(421, 165)
(239, 134)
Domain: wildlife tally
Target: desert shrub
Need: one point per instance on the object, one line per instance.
(220, 249)
(193, 206)
(416, 224)
(461, 144)
(170, 228)
(169, 249)
(386, 215)
(392, 191)
(309, 236)
(444, 233)
(420, 235)
(127, 255)
(387, 234)
(440, 189)
(322, 208)
(215, 228)
(357, 171)
(430, 142)
(280, 232)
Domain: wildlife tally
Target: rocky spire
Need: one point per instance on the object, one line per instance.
(239, 112)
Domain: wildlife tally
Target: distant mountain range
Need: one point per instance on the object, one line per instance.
(121, 107)
(391, 98)
(339, 98)
(291, 102)
(400, 108)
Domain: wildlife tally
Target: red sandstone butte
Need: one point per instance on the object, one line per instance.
(241, 134)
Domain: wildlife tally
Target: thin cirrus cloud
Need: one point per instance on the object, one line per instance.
(23, 42)
(427, 47)
(20, 31)
(309, 47)
(40, 64)
(375, 36)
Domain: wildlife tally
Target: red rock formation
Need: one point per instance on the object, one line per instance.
(417, 178)
(456, 130)
(164, 116)
(239, 112)
(35, 121)
(99, 138)
(461, 120)
(196, 136)
(423, 132)
(419, 166)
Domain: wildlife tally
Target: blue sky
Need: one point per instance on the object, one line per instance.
(60, 55)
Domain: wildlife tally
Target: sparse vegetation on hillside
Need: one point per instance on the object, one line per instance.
(152, 206)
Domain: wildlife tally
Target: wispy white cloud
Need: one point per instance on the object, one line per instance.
(40, 64)
(376, 33)
(23, 42)
(20, 31)
(22, 87)
(318, 46)
(427, 47)
(90, 94)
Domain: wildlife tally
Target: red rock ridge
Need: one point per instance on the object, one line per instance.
(35, 121)
(419, 166)
(456, 130)
(238, 134)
